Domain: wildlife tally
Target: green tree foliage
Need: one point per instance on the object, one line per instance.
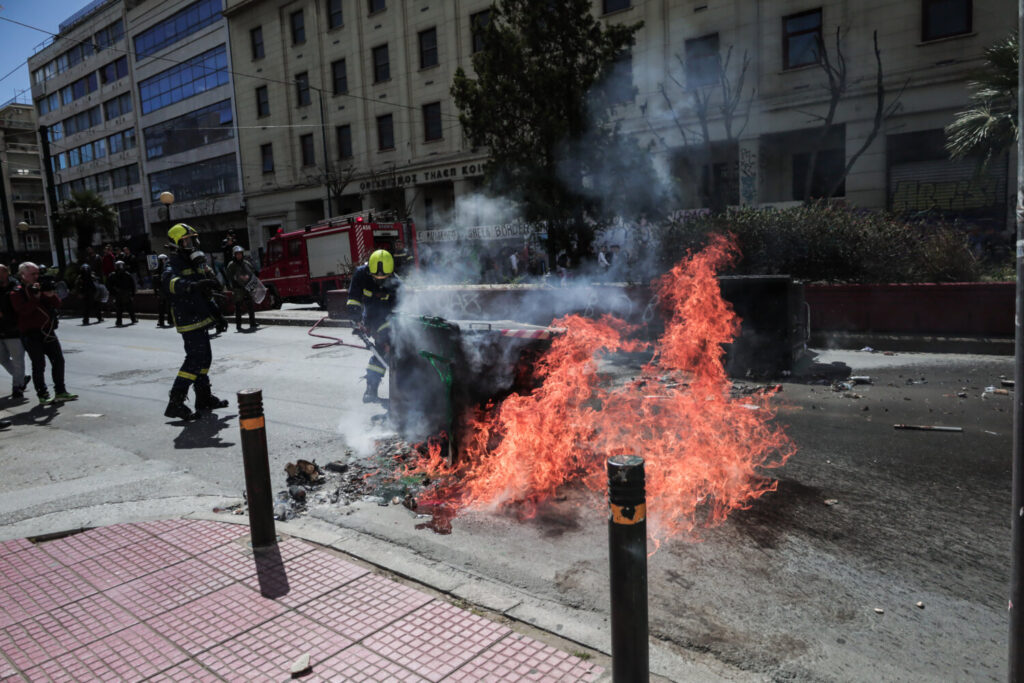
(825, 242)
(536, 104)
(83, 215)
(989, 127)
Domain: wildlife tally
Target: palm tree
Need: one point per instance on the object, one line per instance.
(989, 127)
(83, 215)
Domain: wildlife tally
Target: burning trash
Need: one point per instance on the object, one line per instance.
(706, 449)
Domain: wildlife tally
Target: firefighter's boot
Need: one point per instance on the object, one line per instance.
(205, 400)
(176, 407)
(370, 395)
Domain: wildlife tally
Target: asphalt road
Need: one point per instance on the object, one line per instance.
(883, 555)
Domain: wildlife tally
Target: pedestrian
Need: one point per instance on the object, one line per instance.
(88, 291)
(189, 287)
(122, 288)
(12, 351)
(163, 301)
(107, 262)
(372, 296)
(37, 321)
(240, 274)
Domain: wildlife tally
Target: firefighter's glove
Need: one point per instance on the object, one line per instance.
(208, 285)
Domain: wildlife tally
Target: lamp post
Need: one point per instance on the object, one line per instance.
(22, 228)
(167, 198)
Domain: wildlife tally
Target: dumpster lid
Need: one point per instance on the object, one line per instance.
(509, 328)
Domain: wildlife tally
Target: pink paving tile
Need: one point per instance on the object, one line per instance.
(358, 665)
(300, 579)
(25, 565)
(12, 677)
(44, 593)
(15, 545)
(7, 670)
(196, 535)
(35, 640)
(519, 658)
(238, 561)
(168, 588)
(129, 562)
(215, 618)
(94, 542)
(187, 672)
(267, 651)
(365, 605)
(129, 655)
(436, 639)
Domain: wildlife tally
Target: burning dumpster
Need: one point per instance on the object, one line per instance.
(441, 368)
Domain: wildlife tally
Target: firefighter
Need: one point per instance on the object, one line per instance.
(189, 286)
(372, 297)
(240, 273)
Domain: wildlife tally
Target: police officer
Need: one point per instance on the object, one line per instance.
(88, 285)
(372, 297)
(122, 286)
(188, 285)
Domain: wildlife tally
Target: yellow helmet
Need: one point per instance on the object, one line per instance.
(180, 230)
(382, 263)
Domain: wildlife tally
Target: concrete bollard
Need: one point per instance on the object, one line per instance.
(257, 468)
(627, 552)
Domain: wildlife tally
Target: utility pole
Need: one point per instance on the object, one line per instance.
(327, 158)
(56, 240)
(1016, 667)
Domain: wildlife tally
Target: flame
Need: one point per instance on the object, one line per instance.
(704, 450)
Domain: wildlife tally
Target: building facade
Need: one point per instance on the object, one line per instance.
(136, 99)
(350, 98)
(22, 205)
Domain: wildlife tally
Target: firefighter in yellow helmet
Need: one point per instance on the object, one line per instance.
(188, 286)
(372, 297)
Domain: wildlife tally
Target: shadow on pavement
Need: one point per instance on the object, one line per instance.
(204, 432)
(270, 572)
(38, 415)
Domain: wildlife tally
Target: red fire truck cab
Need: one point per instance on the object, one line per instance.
(302, 266)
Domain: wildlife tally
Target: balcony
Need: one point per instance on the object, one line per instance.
(28, 198)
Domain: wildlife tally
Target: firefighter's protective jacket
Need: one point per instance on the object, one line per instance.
(372, 300)
(190, 305)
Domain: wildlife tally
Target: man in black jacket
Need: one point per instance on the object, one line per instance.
(189, 285)
(88, 283)
(122, 287)
(12, 352)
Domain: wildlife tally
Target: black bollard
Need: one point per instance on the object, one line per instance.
(627, 551)
(257, 468)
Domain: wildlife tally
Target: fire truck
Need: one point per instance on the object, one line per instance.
(302, 266)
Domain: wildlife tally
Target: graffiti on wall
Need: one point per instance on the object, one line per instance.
(748, 176)
(951, 195)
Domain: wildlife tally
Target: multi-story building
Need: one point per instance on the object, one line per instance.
(136, 99)
(348, 101)
(25, 229)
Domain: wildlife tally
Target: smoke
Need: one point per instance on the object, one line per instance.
(361, 435)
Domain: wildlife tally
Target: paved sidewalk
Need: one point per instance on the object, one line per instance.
(178, 600)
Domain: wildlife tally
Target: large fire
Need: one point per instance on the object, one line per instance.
(704, 450)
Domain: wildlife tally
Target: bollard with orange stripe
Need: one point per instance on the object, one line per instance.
(627, 554)
(257, 468)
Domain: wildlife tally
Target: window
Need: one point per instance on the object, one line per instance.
(195, 129)
(338, 77)
(614, 5)
(192, 77)
(109, 35)
(801, 35)
(262, 101)
(334, 16)
(256, 41)
(381, 68)
(298, 28)
(114, 71)
(306, 144)
(122, 104)
(828, 168)
(944, 18)
(477, 23)
(344, 141)
(428, 48)
(432, 121)
(385, 132)
(267, 158)
(618, 84)
(302, 89)
(702, 61)
(202, 179)
(179, 25)
(377, 6)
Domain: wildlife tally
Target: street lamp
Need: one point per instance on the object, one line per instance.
(167, 198)
(23, 228)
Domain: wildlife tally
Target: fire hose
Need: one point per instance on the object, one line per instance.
(368, 343)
